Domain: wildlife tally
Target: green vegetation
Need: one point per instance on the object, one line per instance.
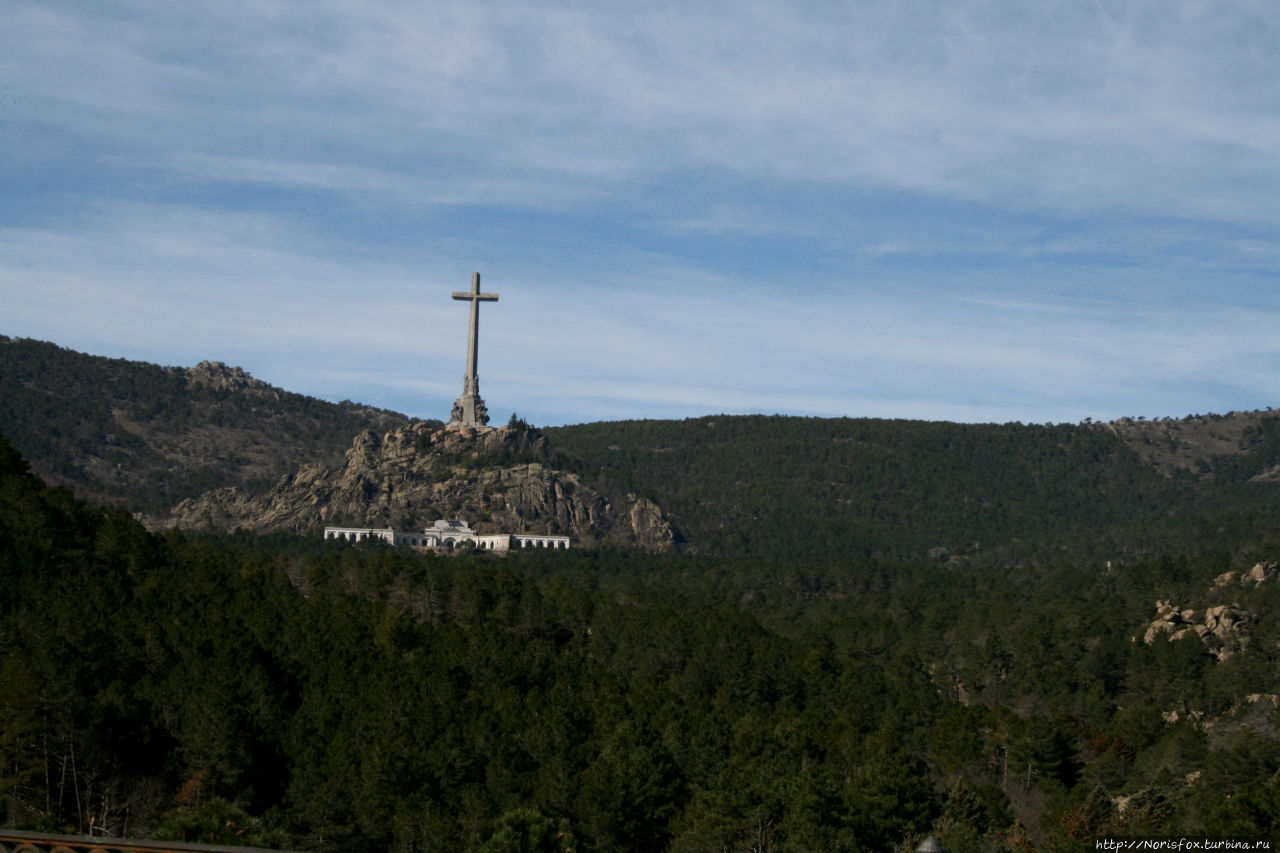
(872, 630)
(753, 487)
(291, 692)
(147, 437)
(787, 488)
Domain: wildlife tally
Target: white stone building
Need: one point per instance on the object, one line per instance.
(448, 533)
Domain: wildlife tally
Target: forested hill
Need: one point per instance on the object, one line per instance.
(810, 489)
(290, 692)
(820, 489)
(147, 437)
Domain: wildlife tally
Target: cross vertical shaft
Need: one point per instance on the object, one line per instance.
(469, 409)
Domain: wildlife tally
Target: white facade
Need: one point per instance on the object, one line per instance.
(448, 533)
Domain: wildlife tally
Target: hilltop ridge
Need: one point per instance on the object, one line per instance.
(814, 488)
(1194, 443)
(497, 479)
(211, 445)
(146, 437)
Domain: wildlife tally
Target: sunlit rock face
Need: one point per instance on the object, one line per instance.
(497, 479)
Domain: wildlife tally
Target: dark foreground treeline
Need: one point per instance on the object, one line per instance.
(285, 692)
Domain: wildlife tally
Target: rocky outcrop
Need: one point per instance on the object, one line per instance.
(498, 480)
(1224, 629)
(220, 377)
(1258, 574)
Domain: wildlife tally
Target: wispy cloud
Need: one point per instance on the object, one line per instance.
(1058, 104)
(979, 210)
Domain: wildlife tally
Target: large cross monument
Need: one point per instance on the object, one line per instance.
(469, 410)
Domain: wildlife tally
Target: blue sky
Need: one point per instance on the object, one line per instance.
(970, 211)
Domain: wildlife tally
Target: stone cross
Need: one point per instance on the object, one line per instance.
(469, 409)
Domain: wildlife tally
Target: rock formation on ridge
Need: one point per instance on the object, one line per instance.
(497, 480)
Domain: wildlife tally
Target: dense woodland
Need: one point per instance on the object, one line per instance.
(790, 488)
(871, 630)
(288, 692)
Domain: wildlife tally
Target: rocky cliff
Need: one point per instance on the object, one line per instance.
(497, 480)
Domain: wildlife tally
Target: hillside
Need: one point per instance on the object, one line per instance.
(498, 480)
(831, 663)
(1197, 443)
(784, 487)
(147, 437)
(210, 445)
(279, 691)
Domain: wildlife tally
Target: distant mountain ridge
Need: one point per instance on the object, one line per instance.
(825, 488)
(145, 436)
(1197, 442)
(211, 445)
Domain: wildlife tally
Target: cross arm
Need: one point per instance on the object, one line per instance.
(468, 295)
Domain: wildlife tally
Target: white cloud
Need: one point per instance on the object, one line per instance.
(760, 206)
(1040, 104)
(671, 342)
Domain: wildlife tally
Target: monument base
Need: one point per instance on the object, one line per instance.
(468, 411)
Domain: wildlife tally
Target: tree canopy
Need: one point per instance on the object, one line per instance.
(286, 691)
